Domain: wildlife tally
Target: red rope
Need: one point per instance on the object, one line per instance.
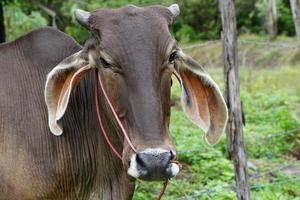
(103, 130)
(165, 185)
(115, 114)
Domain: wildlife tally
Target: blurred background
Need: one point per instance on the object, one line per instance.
(199, 19)
(269, 64)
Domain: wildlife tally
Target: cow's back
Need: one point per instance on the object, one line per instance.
(24, 134)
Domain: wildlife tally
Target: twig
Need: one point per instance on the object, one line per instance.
(50, 12)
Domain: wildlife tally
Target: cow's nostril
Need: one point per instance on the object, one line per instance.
(153, 164)
(172, 155)
(140, 160)
(153, 160)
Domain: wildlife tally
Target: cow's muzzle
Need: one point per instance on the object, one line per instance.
(153, 164)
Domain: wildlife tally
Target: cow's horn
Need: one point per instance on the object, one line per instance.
(174, 9)
(83, 17)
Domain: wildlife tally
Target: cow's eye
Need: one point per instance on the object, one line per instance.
(173, 57)
(104, 63)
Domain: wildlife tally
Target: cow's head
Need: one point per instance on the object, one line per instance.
(136, 56)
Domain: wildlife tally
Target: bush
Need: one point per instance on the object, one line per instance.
(17, 22)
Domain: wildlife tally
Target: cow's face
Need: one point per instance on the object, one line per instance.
(136, 56)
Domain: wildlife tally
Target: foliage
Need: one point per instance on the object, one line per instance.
(285, 18)
(19, 22)
(199, 19)
(271, 99)
(248, 19)
(267, 107)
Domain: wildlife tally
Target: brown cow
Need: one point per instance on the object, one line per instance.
(135, 55)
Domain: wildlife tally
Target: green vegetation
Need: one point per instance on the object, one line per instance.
(199, 19)
(271, 99)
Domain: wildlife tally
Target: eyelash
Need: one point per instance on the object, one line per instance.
(173, 57)
(104, 63)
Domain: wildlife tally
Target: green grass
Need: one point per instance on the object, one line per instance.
(271, 98)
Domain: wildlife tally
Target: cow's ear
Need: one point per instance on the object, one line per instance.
(60, 82)
(201, 98)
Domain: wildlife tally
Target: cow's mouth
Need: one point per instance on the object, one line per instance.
(153, 165)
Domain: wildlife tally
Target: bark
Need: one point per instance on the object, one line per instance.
(295, 7)
(271, 19)
(235, 138)
(2, 26)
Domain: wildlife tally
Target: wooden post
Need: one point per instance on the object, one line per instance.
(295, 7)
(235, 137)
(2, 26)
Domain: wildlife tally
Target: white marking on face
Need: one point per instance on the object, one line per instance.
(155, 151)
(133, 171)
(91, 59)
(174, 169)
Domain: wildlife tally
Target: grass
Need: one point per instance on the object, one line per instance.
(254, 54)
(271, 99)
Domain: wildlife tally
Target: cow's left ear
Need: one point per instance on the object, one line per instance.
(201, 98)
(60, 82)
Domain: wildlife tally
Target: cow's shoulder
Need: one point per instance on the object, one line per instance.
(48, 44)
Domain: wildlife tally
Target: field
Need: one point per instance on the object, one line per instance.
(271, 101)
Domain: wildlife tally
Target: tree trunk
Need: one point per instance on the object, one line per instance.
(2, 26)
(235, 138)
(271, 19)
(295, 7)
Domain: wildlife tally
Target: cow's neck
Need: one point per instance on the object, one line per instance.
(100, 168)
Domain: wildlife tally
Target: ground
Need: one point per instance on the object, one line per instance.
(270, 91)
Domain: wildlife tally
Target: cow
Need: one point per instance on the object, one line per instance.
(51, 142)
